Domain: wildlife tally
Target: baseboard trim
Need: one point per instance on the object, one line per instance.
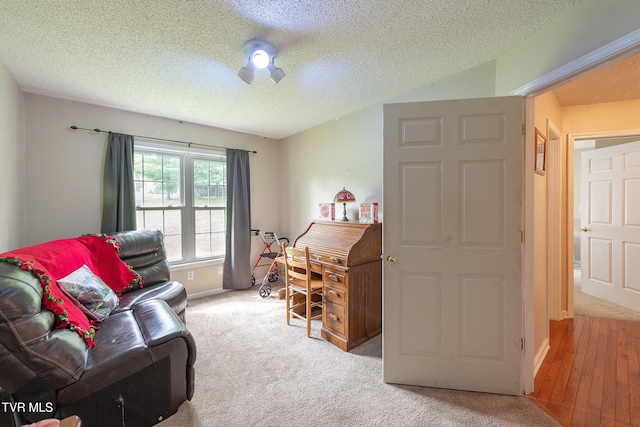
(206, 293)
(539, 358)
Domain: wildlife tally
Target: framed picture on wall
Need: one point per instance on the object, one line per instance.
(541, 152)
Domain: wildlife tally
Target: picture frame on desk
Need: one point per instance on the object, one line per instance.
(327, 212)
(368, 213)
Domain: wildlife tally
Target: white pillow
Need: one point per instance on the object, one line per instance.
(89, 293)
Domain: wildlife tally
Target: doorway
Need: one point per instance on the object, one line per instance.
(607, 286)
(572, 73)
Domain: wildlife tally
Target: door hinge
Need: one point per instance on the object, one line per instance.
(521, 236)
(522, 344)
(524, 129)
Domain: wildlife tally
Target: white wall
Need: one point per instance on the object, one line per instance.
(317, 163)
(12, 194)
(64, 169)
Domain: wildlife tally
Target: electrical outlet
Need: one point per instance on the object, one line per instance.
(220, 271)
(190, 275)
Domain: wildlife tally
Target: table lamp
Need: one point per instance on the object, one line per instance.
(344, 196)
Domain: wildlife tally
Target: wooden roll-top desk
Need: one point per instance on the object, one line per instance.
(348, 257)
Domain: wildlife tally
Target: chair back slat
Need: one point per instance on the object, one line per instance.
(299, 280)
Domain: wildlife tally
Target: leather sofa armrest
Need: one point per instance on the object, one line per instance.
(158, 322)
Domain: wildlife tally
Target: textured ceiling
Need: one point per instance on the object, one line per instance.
(179, 59)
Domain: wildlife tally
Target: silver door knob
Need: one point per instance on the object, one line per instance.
(391, 259)
(584, 229)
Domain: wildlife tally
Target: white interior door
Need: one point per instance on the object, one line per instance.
(452, 242)
(610, 224)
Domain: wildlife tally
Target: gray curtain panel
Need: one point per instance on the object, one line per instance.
(118, 197)
(237, 262)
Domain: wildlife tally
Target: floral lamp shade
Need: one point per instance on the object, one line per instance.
(344, 196)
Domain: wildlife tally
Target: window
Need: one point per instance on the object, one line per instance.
(183, 194)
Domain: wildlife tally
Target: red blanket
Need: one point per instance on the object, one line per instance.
(56, 259)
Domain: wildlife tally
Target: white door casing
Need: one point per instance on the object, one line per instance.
(610, 224)
(452, 242)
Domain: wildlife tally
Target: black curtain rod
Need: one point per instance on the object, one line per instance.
(189, 144)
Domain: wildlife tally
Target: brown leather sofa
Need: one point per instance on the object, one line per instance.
(140, 370)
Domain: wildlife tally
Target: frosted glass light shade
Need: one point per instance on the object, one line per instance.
(260, 59)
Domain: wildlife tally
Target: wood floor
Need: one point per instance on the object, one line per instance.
(591, 375)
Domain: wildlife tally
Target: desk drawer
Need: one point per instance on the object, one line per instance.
(334, 317)
(335, 277)
(329, 259)
(335, 294)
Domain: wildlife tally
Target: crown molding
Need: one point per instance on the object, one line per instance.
(601, 56)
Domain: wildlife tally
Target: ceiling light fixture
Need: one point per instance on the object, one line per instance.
(260, 55)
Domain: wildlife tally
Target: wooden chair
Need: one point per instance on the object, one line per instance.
(301, 286)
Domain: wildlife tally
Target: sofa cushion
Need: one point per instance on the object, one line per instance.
(173, 293)
(120, 351)
(124, 346)
(144, 251)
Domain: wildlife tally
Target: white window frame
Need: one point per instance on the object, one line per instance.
(186, 204)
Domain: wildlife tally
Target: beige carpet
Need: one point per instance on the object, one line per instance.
(586, 305)
(254, 370)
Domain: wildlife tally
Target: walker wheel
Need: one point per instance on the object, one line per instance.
(273, 277)
(253, 280)
(265, 290)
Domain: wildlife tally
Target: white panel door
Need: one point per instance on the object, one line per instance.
(610, 224)
(452, 242)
